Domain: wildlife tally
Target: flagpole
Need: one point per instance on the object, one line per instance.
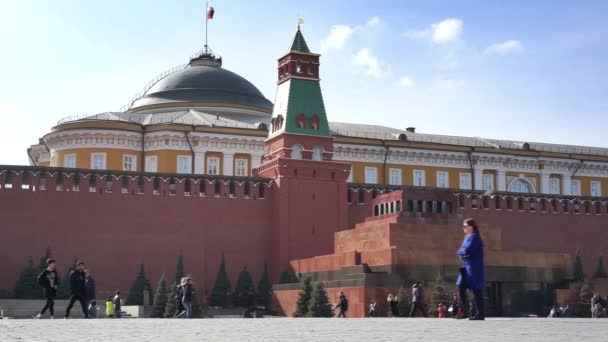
(206, 23)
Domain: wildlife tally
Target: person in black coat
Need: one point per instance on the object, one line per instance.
(49, 281)
(77, 290)
(342, 305)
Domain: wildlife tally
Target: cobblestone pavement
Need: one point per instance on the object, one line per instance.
(289, 329)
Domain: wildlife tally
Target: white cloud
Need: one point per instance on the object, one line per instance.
(504, 48)
(447, 31)
(373, 22)
(406, 82)
(372, 65)
(340, 34)
(442, 32)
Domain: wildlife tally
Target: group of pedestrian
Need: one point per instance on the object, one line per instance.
(82, 290)
(471, 278)
(183, 296)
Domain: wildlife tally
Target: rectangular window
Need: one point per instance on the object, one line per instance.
(240, 168)
(128, 162)
(98, 161)
(554, 186)
(465, 181)
(69, 160)
(213, 165)
(350, 175)
(596, 189)
(151, 164)
(371, 175)
(395, 176)
(575, 187)
(442, 179)
(419, 178)
(488, 182)
(183, 164)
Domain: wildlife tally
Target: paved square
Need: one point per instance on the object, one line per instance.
(290, 329)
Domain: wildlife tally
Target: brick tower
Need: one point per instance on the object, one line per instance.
(310, 199)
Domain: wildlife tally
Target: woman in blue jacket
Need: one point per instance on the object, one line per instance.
(472, 274)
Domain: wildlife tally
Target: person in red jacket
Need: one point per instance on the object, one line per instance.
(441, 310)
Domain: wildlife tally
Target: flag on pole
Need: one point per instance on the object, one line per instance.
(300, 21)
(210, 13)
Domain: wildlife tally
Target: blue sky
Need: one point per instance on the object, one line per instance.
(521, 70)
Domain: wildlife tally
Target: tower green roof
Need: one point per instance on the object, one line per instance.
(299, 44)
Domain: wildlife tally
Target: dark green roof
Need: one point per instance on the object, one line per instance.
(299, 44)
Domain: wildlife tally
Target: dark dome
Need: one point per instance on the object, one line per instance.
(203, 80)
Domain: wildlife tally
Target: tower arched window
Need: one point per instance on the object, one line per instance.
(317, 153)
(310, 69)
(301, 121)
(298, 68)
(314, 122)
(296, 151)
(521, 185)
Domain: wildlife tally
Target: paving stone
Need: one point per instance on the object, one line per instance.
(290, 329)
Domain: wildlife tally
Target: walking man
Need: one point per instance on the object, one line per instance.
(49, 281)
(342, 305)
(417, 300)
(78, 290)
(117, 301)
(90, 293)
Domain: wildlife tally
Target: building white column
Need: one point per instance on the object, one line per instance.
(566, 185)
(501, 180)
(199, 163)
(544, 182)
(228, 164)
(478, 179)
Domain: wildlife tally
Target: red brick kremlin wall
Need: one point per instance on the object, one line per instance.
(116, 231)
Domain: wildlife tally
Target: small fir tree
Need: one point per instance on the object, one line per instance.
(583, 304)
(319, 305)
(264, 294)
(171, 306)
(577, 270)
(221, 289)
(160, 298)
(304, 298)
(600, 272)
(26, 285)
(244, 292)
(179, 269)
(438, 296)
(140, 285)
(404, 305)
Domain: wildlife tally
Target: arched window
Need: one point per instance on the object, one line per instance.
(298, 68)
(279, 122)
(301, 121)
(314, 122)
(520, 185)
(296, 151)
(317, 153)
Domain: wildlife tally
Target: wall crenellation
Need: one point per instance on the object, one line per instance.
(50, 179)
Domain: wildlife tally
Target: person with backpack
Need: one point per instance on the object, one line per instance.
(78, 290)
(49, 281)
(342, 305)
